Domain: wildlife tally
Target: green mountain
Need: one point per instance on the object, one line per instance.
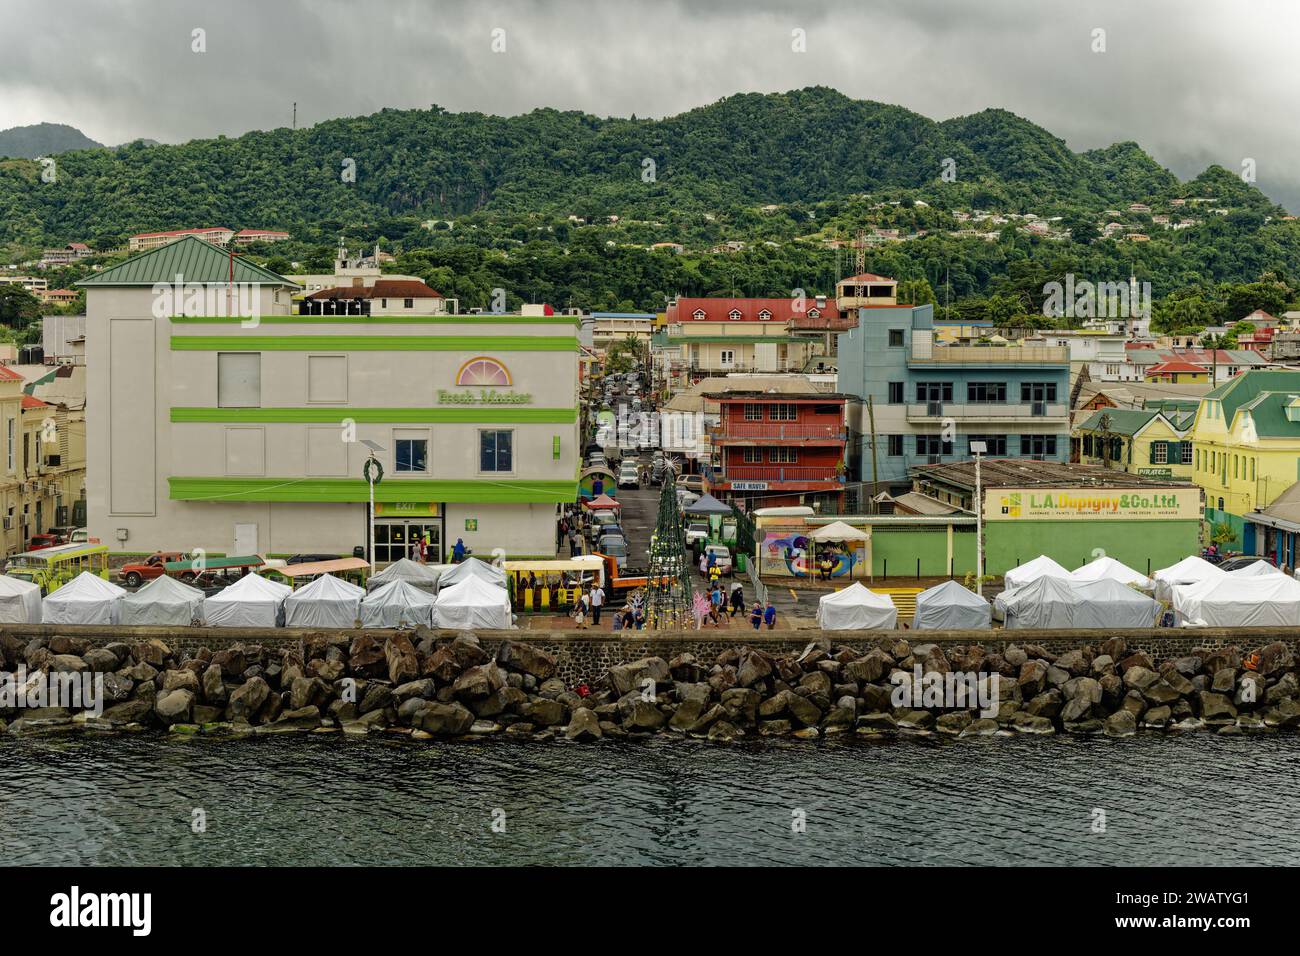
(43, 139)
(802, 147)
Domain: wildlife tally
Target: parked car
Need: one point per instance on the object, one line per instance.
(722, 558)
(614, 546)
(693, 483)
(686, 498)
(133, 575)
(628, 477)
(39, 542)
(598, 521)
(1243, 561)
(696, 531)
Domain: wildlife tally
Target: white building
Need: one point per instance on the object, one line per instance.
(246, 434)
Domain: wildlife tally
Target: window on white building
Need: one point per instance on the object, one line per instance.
(727, 357)
(239, 379)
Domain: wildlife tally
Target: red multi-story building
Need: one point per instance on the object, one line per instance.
(779, 448)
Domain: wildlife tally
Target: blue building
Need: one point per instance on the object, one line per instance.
(928, 401)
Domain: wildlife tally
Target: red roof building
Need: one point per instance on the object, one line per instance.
(779, 448)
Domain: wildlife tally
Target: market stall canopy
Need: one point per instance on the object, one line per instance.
(856, 608)
(707, 505)
(602, 501)
(397, 604)
(838, 531)
(314, 568)
(326, 602)
(471, 604)
(949, 606)
(1187, 571)
(1041, 566)
(252, 601)
(164, 600)
(1107, 568)
(86, 599)
(1271, 600)
(423, 576)
(1108, 603)
(20, 601)
(1045, 601)
(472, 568)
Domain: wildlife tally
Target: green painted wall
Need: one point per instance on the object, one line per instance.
(1073, 543)
(894, 552)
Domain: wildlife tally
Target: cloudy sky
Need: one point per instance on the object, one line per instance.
(1194, 81)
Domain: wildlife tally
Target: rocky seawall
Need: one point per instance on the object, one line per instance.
(453, 686)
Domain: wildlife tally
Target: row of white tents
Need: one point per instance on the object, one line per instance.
(1103, 593)
(469, 595)
(944, 606)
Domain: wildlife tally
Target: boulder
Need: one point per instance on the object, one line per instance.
(66, 664)
(438, 718)
(403, 663)
(1216, 708)
(247, 699)
(544, 713)
(583, 725)
(627, 677)
(478, 682)
(180, 680)
(1121, 724)
(173, 706)
(526, 659)
(100, 660)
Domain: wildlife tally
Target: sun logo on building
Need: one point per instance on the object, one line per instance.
(482, 371)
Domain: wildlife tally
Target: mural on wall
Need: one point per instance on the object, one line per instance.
(788, 551)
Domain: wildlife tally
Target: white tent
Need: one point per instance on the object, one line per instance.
(838, 531)
(1108, 603)
(473, 603)
(20, 601)
(423, 576)
(326, 602)
(1039, 567)
(1046, 601)
(856, 608)
(1259, 569)
(397, 604)
(164, 600)
(950, 606)
(1187, 571)
(86, 599)
(1231, 601)
(1108, 569)
(252, 601)
(472, 567)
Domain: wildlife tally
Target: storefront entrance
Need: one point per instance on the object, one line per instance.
(399, 525)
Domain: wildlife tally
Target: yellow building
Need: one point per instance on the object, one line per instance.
(43, 468)
(1177, 372)
(1246, 447)
(1139, 441)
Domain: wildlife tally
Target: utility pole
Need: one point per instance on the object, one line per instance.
(875, 475)
(295, 114)
(978, 448)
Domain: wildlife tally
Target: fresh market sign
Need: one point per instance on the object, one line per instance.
(1047, 504)
(483, 396)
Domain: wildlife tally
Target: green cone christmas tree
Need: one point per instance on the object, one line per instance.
(668, 591)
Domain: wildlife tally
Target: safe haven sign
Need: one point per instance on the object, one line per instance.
(1064, 504)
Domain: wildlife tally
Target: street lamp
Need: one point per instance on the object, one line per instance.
(373, 471)
(978, 448)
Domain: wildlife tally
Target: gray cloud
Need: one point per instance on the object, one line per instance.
(1194, 81)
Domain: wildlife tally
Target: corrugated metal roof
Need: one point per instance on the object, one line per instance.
(190, 258)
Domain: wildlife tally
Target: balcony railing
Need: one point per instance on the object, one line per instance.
(989, 412)
(778, 431)
(779, 473)
(988, 355)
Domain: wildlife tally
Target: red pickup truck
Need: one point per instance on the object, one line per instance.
(133, 575)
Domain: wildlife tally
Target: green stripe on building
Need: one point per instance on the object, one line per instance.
(373, 343)
(508, 414)
(489, 319)
(391, 490)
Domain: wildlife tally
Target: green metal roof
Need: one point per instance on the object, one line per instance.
(1123, 421)
(1245, 388)
(190, 258)
(1268, 411)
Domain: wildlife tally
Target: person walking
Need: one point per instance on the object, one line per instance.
(597, 602)
(458, 552)
(737, 598)
(756, 615)
(769, 616)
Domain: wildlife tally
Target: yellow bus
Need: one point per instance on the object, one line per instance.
(51, 568)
